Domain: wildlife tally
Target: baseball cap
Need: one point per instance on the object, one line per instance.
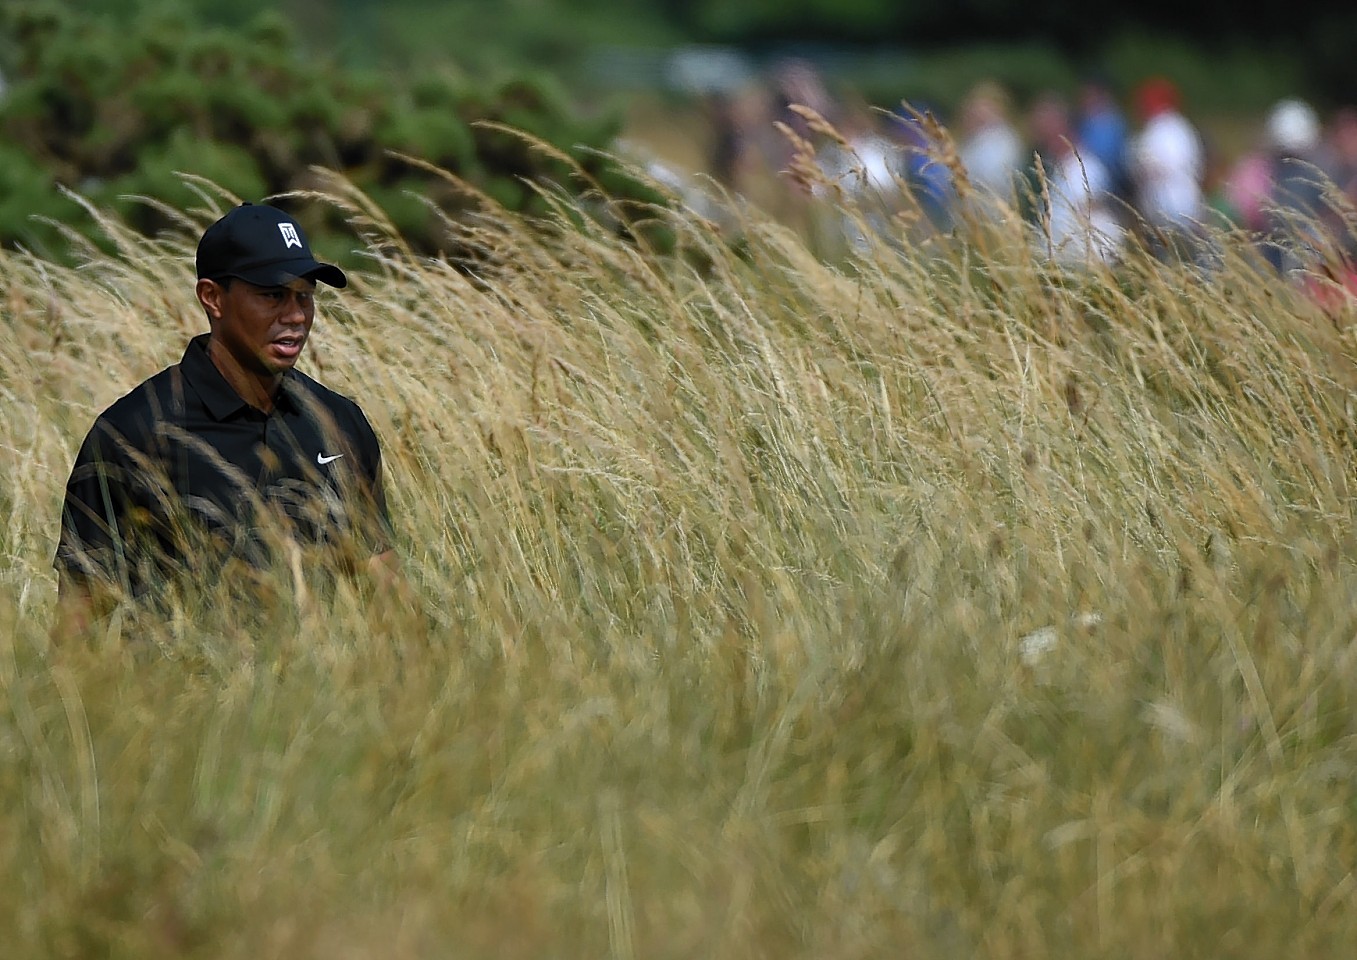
(1157, 95)
(262, 245)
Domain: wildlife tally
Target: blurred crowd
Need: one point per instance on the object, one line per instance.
(1088, 172)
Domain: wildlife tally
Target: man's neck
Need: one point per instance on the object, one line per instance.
(259, 392)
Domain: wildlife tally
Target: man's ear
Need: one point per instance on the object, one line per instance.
(210, 295)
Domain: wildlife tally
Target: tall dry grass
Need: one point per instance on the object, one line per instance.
(931, 602)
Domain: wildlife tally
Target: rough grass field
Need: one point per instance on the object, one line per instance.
(926, 603)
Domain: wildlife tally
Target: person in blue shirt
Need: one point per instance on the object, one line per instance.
(1102, 131)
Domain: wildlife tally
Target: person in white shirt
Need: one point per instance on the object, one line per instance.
(991, 150)
(1079, 225)
(1167, 162)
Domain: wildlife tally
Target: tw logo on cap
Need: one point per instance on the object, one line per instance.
(290, 236)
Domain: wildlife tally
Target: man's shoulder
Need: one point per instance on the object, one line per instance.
(147, 402)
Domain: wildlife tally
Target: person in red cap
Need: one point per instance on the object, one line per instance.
(1167, 165)
(218, 458)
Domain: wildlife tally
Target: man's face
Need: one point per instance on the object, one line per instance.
(263, 329)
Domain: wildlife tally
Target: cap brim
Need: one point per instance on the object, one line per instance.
(284, 272)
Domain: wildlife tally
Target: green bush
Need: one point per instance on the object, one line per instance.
(225, 164)
(112, 109)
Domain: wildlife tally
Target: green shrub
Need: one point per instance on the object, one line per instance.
(225, 164)
(112, 108)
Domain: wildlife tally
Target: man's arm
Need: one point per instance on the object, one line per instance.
(90, 537)
(390, 586)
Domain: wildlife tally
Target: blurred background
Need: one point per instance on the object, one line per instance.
(118, 98)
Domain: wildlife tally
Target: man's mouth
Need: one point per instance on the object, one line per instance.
(288, 346)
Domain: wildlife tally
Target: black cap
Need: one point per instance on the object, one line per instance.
(261, 245)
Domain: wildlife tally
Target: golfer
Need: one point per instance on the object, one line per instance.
(221, 457)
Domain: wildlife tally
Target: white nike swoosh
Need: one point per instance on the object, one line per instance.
(323, 460)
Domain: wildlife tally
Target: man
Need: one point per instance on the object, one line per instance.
(1294, 207)
(1080, 226)
(990, 150)
(1101, 130)
(1168, 164)
(217, 460)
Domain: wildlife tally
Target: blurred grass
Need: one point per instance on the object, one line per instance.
(928, 602)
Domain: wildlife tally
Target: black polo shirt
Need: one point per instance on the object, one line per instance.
(181, 475)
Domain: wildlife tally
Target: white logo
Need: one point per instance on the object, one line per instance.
(323, 460)
(290, 236)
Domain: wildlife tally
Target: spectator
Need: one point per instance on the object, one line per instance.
(1246, 188)
(1291, 213)
(1167, 164)
(990, 149)
(925, 176)
(725, 148)
(797, 83)
(761, 151)
(1219, 187)
(1079, 224)
(1334, 280)
(1340, 151)
(1339, 161)
(862, 168)
(1101, 130)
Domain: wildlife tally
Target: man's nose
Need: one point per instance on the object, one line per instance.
(294, 310)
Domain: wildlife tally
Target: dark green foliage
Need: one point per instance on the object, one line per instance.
(117, 110)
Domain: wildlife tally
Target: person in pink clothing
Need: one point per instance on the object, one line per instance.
(1246, 189)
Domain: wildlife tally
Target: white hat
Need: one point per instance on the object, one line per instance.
(1293, 127)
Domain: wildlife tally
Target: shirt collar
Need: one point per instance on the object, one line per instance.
(217, 395)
